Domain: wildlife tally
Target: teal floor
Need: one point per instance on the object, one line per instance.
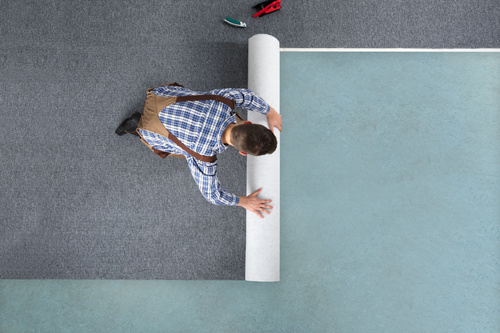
(390, 194)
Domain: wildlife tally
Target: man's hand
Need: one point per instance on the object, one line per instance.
(274, 120)
(254, 204)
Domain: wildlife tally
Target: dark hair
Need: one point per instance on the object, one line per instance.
(253, 139)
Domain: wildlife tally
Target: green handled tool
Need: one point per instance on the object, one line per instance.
(235, 23)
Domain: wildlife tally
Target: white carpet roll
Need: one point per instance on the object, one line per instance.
(263, 235)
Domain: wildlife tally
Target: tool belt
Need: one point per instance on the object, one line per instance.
(150, 120)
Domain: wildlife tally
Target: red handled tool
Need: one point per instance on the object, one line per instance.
(267, 7)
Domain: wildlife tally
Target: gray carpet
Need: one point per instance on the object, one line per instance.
(79, 202)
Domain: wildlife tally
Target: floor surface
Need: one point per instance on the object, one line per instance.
(390, 190)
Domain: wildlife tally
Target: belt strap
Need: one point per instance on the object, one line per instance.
(227, 101)
(190, 152)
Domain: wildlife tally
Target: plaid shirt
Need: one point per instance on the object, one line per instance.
(199, 125)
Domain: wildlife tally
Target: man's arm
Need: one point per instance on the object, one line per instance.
(205, 175)
(247, 99)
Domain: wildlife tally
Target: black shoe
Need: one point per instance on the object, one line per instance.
(129, 125)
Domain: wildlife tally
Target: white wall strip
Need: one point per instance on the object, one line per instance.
(382, 50)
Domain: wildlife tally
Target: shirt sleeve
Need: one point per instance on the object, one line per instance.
(205, 175)
(165, 91)
(244, 98)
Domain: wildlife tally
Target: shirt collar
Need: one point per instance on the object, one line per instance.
(221, 146)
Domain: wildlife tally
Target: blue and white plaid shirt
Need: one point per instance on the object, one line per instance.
(199, 125)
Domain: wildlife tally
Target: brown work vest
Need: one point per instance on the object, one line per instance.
(150, 120)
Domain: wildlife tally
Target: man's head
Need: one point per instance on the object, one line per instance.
(253, 139)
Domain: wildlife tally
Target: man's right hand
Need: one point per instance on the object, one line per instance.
(274, 120)
(254, 204)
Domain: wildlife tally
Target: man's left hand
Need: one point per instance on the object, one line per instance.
(254, 204)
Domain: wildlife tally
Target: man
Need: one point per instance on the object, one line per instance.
(205, 128)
